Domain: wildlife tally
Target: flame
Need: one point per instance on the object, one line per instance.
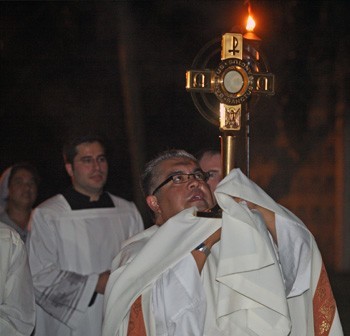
(250, 24)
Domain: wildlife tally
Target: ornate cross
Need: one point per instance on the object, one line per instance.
(241, 74)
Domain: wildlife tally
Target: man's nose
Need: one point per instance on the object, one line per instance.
(192, 182)
(96, 164)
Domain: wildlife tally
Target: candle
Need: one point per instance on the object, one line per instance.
(252, 41)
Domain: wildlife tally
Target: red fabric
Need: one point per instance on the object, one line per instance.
(324, 305)
(136, 325)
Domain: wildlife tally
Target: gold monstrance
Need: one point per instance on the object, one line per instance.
(224, 95)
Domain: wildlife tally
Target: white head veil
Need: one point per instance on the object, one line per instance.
(4, 190)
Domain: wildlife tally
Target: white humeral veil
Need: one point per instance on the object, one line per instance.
(252, 288)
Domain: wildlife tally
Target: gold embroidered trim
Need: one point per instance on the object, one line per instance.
(136, 326)
(324, 305)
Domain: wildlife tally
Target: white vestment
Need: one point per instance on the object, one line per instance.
(67, 252)
(5, 218)
(17, 307)
(4, 188)
(250, 286)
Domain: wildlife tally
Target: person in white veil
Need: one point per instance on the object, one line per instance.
(4, 190)
(19, 190)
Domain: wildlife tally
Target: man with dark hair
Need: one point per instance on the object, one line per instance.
(22, 190)
(255, 270)
(70, 149)
(75, 236)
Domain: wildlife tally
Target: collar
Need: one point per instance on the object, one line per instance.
(79, 201)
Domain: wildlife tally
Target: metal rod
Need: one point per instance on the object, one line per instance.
(228, 152)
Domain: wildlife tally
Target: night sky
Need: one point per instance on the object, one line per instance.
(118, 68)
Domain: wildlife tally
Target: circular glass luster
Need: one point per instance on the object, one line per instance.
(233, 81)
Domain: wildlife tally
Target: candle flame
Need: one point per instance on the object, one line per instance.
(250, 24)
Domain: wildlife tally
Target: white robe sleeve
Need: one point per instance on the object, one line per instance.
(63, 294)
(178, 299)
(17, 308)
(294, 249)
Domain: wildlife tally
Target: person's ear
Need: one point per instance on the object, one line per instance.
(152, 202)
(69, 169)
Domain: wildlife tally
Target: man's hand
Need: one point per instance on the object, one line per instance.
(269, 218)
(268, 215)
(102, 282)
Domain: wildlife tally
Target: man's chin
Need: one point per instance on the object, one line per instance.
(98, 183)
(98, 180)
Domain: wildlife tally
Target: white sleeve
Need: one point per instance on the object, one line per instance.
(178, 300)
(17, 307)
(294, 249)
(63, 294)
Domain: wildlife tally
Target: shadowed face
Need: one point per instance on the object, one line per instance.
(173, 197)
(89, 169)
(22, 189)
(212, 165)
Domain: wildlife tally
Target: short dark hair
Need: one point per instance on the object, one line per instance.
(70, 146)
(26, 166)
(151, 171)
(210, 151)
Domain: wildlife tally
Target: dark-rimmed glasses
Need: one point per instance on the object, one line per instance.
(183, 178)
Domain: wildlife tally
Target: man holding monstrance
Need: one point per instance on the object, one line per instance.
(249, 268)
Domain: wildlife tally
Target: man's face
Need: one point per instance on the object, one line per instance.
(89, 169)
(22, 189)
(173, 198)
(212, 165)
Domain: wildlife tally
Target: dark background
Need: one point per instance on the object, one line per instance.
(65, 67)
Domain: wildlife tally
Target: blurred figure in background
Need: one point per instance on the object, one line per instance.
(210, 162)
(17, 305)
(19, 190)
(4, 190)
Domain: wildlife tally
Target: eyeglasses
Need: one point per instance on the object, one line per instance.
(183, 178)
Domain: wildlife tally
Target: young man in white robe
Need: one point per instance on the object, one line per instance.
(17, 305)
(75, 236)
(255, 270)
